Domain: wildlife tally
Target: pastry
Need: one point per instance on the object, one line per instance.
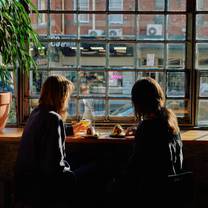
(118, 130)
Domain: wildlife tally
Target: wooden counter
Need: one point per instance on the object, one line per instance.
(14, 135)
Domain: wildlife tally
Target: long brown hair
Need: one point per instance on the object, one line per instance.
(147, 97)
(55, 93)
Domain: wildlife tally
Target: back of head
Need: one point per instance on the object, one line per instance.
(55, 93)
(148, 98)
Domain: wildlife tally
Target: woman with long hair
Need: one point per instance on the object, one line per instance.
(158, 147)
(43, 176)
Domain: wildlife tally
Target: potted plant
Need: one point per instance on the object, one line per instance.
(16, 36)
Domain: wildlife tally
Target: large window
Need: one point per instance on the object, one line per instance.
(107, 45)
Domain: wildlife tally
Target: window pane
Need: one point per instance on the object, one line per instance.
(92, 54)
(91, 108)
(72, 107)
(175, 84)
(121, 108)
(150, 56)
(150, 27)
(40, 23)
(12, 113)
(176, 56)
(121, 55)
(203, 113)
(201, 27)
(177, 5)
(151, 5)
(179, 107)
(62, 54)
(121, 26)
(176, 29)
(203, 88)
(201, 56)
(95, 28)
(120, 83)
(202, 5)
(62, 5)
(92, 83)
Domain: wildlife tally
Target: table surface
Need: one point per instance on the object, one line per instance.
(14, 134)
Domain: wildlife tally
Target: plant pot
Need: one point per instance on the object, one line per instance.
(5, 101)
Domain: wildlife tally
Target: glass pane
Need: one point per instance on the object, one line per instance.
(63, 24)
(201, 56)
(176, 29)
(121, 55)
(121, 26)
(12, 113)
(179, 107)
(176, 56)
(202, 5)
(92, 83)
(62, 54)
(40, 54)
(120, 83)
(95, 28)
(62, 5)
(203, 89)
(150, 56)
(42, 4)
(92, 54)
(151, 5)
(177, 5)
(121, 108)
(91, 108)
(72, 108)
(40, 23)
(201, 27)
(203, 113)
(150, 27)
(175, 84)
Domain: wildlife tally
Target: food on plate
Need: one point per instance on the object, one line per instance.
(131, 131)
(91, 133)
(85, 122)
(118, 130)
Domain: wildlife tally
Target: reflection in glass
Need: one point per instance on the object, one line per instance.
(201, 27)
(120, 83)
(72, 107)
(176, 56)
(203, 113)
(176, 29)
(175, 84)
(121, 55)
(121, 108)
(92, 54)
(94, 82)
(150, 56)
(201, 55)
(62, 54)
(150, 27)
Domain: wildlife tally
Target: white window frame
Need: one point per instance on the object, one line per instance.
(42, 16)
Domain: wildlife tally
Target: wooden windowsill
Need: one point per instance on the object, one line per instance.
(14, 135)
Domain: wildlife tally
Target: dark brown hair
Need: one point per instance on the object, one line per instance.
(55, 93)
(148, 97)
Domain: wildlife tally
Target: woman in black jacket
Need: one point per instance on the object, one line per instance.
(158, 147)
(43, 176)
